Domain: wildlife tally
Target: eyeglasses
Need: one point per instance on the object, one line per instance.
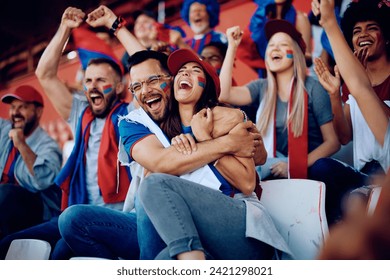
(152, 81)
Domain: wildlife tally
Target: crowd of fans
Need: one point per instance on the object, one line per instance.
(176, 172)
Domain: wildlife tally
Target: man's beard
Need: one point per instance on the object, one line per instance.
(199, 29)
(110, 101)
(29, 126)
(158, 119)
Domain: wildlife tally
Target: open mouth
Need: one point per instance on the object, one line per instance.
(198, 20)
(185, 85)
(17, 119)
(96, 98)
(363, 44)
(153, 102)
(276, 57)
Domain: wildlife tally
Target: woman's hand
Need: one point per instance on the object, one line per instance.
(280, 169)
(202, 125)
(234, 35)
(362, 55)
(184, 143)
(330, 83)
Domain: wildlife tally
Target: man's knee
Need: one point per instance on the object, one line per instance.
(70, 215)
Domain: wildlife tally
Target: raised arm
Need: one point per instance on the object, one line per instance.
(239, 95)
(47, 69)
(341, 116)
(103, 16)
(352, 71)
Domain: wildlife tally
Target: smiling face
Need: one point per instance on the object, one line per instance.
(144, 26)
(279, 53)
(101, 85)
(212, 55)
(153, 98)
(190, 82)
(199, 18)
(24, 115)
(369, 35)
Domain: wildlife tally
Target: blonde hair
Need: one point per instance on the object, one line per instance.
(296, 115)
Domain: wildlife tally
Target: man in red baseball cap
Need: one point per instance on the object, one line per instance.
(29, 162)
(31, 100)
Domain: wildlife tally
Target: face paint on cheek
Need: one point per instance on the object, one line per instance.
(290, 54)
(201, 82)
(164, 86)
(107, 89)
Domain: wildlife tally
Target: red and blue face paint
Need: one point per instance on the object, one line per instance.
(164, 86)
(290, 54)
(85, 89)
(107, 89)
(201, 82)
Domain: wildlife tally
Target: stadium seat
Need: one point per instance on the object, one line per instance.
(28, 249)
(297, 207)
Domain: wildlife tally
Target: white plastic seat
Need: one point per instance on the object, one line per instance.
(28, 249)
(297, 207)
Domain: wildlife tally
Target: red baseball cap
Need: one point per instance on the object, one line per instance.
(182, 56)
(24, 93)
(280, 25)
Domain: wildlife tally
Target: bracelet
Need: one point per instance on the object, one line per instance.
(118, 23)
(245, 116)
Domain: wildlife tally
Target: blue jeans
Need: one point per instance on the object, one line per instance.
(340, 179)
(46, 231)
(96, 231)
(149, 241)
(189, 216)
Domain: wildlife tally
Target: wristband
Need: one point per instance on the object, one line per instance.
(118, 23)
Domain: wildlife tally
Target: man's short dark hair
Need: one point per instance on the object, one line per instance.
(220, 46)
(102, 60)
(141, 56)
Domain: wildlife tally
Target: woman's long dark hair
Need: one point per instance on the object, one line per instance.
(209, 99)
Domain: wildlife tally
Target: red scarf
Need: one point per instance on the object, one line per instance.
(298, 148)
(113, 180)
(8, 172)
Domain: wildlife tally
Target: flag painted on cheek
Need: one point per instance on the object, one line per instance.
(202, 82)
(107, 89)
(164, 86)
(85, 89)
(289, 54)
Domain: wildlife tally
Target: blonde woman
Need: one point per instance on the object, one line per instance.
(294, 109)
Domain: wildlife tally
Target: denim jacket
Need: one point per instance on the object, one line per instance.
(46, 166)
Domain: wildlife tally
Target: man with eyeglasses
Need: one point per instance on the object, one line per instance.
(150, 83)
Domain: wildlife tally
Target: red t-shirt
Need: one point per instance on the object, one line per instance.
(382, 90)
